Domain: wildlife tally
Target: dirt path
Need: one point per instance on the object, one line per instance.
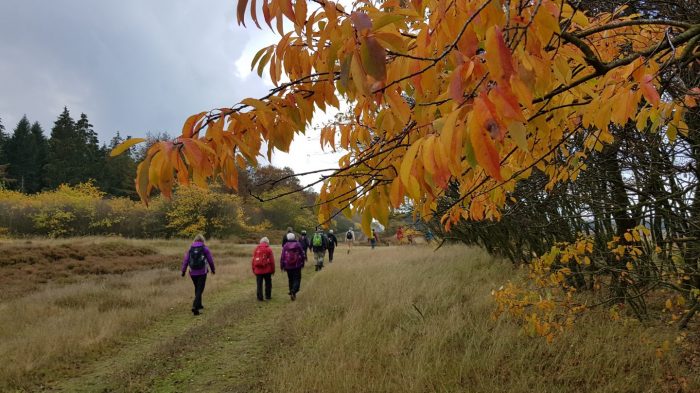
(224, 349)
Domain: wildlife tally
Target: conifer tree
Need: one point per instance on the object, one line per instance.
(93, 158)
(3, 141)
(38, 152)
(3, 158)
(25, 157)
(64, 158)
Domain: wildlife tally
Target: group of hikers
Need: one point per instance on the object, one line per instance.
(294, 255)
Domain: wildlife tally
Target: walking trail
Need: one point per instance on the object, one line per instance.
(225, 349)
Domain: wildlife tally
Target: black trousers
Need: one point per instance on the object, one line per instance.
(294, 276)
(330, 254)
(268, 285)
(199, 283)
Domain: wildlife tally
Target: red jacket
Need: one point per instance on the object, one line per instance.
(263, 260)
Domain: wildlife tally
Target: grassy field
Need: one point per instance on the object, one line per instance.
(393, 319)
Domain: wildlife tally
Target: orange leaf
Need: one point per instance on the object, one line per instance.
(486, 116)
(498, 56)
(242, 4)
(266, 13)
(484, 149)
(456, 85)
(188, 128)
(142, 185)
(396, 193)
(648, 90)
(254, 12)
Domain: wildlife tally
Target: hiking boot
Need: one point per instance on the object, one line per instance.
(195, 311)
(293, 296)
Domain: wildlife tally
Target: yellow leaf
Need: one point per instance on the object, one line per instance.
(407, 163)
(518, 133)
(124, 146)
(396, 193)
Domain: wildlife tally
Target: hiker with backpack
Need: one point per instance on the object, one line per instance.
(332, 244)
(373, 239)
(319, 243)
(305, 243)
(349, 238)
(197, 258)
(263, 265)
(284, 238)
(292, 261)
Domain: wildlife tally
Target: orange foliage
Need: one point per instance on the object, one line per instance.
(477, 91)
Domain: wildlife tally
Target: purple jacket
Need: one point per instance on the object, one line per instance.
(202, 271)
(292, 246)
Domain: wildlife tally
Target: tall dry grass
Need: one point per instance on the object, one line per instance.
(393, 320)
(53, 331)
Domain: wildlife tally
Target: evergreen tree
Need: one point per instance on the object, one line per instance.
(3, 157)
(93, 158)
(25, 157)
(3, 141)
(64, 158)
(38, 152)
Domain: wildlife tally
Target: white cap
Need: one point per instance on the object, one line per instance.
(290, 236)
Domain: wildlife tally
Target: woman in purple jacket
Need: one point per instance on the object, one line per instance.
(197, 258)
(292, 261)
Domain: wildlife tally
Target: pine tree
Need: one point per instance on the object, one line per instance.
(3, 157)
(25, 152)
(64, 158)
(3, 142)
(38, 152)
(93, 162)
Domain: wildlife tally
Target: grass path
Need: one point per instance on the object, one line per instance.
(220, 350)
(389, 320)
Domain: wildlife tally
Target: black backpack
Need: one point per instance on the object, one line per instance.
(197, 258)
(348, 235)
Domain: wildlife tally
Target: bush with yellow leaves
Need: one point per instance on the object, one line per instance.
(572, 278)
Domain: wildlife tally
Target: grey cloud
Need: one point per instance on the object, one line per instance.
(131, 65)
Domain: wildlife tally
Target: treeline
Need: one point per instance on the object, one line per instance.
(30, 162)
(68, 185)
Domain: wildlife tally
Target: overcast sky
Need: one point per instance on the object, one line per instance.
(133, 66)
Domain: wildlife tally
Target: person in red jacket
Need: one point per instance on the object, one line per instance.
(263, 267)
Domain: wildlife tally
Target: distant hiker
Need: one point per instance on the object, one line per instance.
(292, 261)
(332, 244)
(429, 235)
(373, 239)
(349, 238)
(263, 265)
(197, 258)
(319, 244)
(284, 238)
(399, 234)
(305, 243)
